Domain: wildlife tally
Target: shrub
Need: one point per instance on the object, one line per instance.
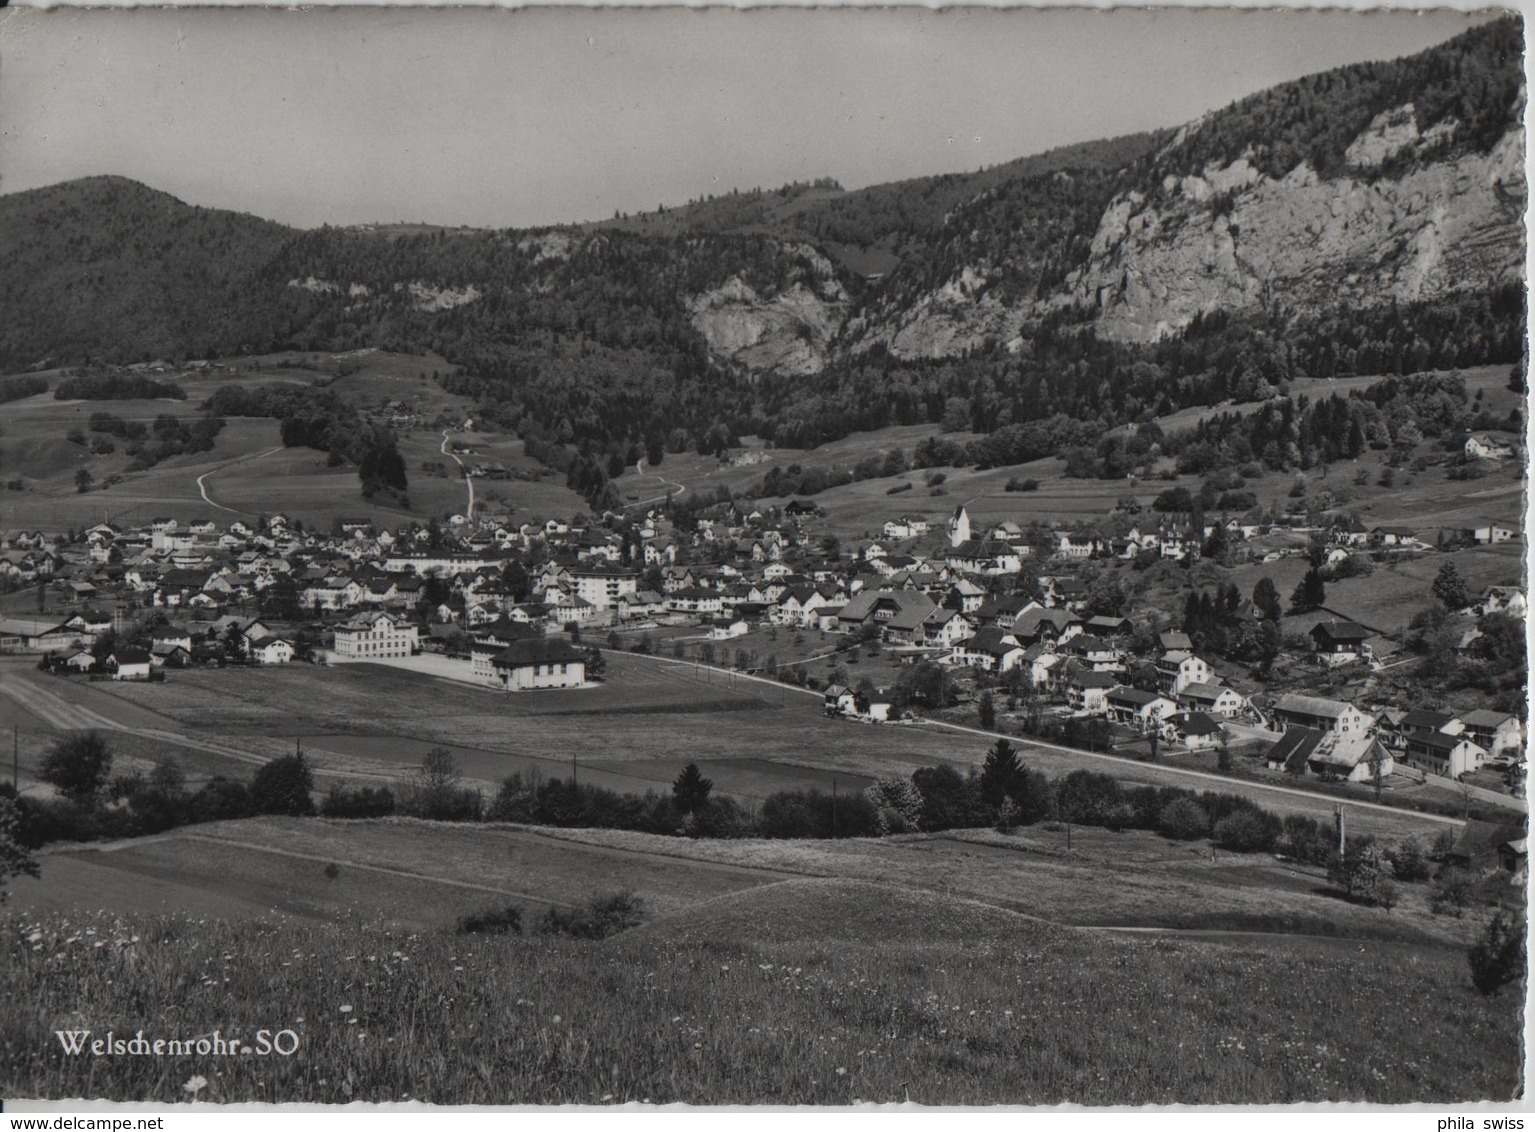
(1498, 958)
(898, 488)
(220, 799)
(1016, 483)
(492, 921)
(78, 765)
(897, 805)
(1356, 871)
(1086, 797)
(949, 800)
(1408, 860)
(1451, 893)
(599, 918)
(364, 802)
(812, 814)
(1184, 819)
(1247, 831)
(283, 786)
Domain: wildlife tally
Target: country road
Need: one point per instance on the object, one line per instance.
(640, 470)
(468, 479)
(202, 485)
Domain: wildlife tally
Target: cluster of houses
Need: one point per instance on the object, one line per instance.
(89, 643)
(510, 588)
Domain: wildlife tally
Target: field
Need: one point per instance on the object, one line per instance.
(856, 511)
(372, 724)
(921, 969)
(248, 473)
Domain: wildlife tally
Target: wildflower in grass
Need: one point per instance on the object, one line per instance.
(346, 1010)
(556, 1019)
(195, 1085)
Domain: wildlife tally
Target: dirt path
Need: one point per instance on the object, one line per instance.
(640, 470)
(468, 479)
(202, 486)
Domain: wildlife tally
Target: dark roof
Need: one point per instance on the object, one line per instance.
(1093, 680)
(520, 653)
(1134, 696)
(1439, 741)
(1294, 747)
(1429, 720)
(1481, 837)
(1196, 723)
(130, 656)
(1340, 631)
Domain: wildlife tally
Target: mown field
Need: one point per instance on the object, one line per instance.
(244, 476)
(804, 991)
(373, 723)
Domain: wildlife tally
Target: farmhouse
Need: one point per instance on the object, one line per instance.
(990, 649)
(1087, 692)
(271, 650)
(1355, 758)
(1485, 446)
(128, 664)
(375, 636)
(1135, 708)
(1213, 699)
(1497, 732)
(840, 700)
(1195, 730)
(1340, 642)
(1320, 714)
(535, 664)
(1448, 755)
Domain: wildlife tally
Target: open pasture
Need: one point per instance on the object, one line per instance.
(1132, 879)
(411, 874)
(373, 723)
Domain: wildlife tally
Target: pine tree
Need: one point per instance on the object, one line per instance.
(1002, 774)
(691, 789)
(1450, 588)
(1266, 598)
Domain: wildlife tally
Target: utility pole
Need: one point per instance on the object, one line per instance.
(16, 758)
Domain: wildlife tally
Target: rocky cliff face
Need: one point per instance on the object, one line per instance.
(787, 332)
(1230, 238)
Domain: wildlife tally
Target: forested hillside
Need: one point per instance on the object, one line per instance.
(1364, 220)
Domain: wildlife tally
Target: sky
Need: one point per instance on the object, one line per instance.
(497, 118)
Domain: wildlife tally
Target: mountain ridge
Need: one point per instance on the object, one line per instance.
(1321, 223)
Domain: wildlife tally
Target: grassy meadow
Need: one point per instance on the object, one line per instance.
(372, 724)
(421, 875)
(244, 476)
(804, 991)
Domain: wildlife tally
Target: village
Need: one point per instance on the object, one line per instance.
(1019, 628)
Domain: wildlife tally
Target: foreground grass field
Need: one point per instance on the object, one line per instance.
(799, 992)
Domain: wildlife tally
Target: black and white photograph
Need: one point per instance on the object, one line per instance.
(842, 557)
